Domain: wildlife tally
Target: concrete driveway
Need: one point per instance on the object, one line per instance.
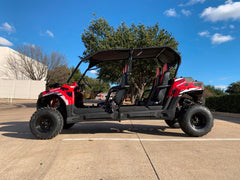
(111, 150)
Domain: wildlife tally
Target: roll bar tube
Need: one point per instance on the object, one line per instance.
(75, 69)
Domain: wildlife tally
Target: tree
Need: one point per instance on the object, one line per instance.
(28, 62)
(97, 85)
(76, 75)
(234, 88)
(32, 63)
(58, 71)
(58, 75)
(100, 35)
(212, 91)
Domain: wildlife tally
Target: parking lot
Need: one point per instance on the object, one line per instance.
(132, 149)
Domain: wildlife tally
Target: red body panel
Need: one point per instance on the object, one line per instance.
(181, 86)
(66, 93)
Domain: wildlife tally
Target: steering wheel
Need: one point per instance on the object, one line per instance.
(87, 83)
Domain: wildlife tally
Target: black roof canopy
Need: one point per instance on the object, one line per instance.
(164, 54)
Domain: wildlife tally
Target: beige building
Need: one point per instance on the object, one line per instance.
(13, 83)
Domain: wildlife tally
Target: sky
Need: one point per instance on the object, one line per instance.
(207, 30)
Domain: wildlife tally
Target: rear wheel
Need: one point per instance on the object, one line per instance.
(173, 123)
(46, 123)
(197, 121)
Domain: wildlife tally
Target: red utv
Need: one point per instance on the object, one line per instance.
(176, 100)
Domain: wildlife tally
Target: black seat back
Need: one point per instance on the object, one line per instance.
(157, 78)
(121, 92)
(155, 83)
(159, 93)
(162, 92)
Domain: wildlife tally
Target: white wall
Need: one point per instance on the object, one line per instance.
(21, 89)
(5, 72)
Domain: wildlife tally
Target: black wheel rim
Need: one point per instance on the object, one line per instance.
(198, 121)
(44, 124)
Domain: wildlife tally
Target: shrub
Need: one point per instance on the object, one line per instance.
(226, 103)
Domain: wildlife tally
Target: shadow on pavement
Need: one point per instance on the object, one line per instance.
(108, 127)
(21, 129)
(31, 105)
(227, 118)
(17, 129)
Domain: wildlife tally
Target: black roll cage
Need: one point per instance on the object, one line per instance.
(93, 62)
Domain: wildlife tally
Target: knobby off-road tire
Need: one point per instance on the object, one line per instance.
(173, 124)
(197, 121)
(46, 123)
(68, 126)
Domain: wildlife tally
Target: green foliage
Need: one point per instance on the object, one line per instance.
(226, 103)
(92, 95)
(76, 75)
(215, 91)
(97, 85)
(85, 95)
(234, 88)
(100, 35)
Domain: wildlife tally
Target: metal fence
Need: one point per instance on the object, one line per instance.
(21, 89)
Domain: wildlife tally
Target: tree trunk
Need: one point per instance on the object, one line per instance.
(140, 91)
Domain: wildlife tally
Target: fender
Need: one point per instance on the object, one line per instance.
(181, 86)
(66, 93)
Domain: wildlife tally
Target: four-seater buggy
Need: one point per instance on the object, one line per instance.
(178, 101)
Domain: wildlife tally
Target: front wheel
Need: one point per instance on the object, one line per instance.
(46, 123)
(197, 121)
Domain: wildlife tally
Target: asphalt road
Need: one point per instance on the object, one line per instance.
(111, 150)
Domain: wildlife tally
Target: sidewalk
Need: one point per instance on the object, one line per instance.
(4, 106)
(15, 103)
(18, 101)
(235, 115)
